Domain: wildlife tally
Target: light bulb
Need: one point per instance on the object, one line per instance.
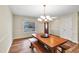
(45, 19)
(39, 19)
(42, 17)
(49, 18)
(54, 17)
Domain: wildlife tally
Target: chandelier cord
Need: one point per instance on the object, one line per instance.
(44, 10)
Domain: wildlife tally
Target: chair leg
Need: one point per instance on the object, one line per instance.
(32, 48)
(62, 50)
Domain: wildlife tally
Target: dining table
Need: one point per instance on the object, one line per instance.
(52, 41)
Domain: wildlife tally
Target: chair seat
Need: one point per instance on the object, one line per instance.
(74, 49)
(33, 40)
(39, 47)
(65, 47)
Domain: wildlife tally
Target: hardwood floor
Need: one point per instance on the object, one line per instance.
(22, 46)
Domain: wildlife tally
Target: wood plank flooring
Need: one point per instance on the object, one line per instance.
(22, 46)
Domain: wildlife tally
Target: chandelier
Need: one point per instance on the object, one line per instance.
(45, 18)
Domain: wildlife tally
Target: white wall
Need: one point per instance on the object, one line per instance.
(5, 29)
(66, 27)
(78, 27)
(18, 27)
(54, 27)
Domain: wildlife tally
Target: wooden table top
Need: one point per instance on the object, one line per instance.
(52, 41)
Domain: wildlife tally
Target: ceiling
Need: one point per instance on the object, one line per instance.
(37, 10)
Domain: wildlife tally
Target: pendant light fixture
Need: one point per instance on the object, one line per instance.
(45, 17)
